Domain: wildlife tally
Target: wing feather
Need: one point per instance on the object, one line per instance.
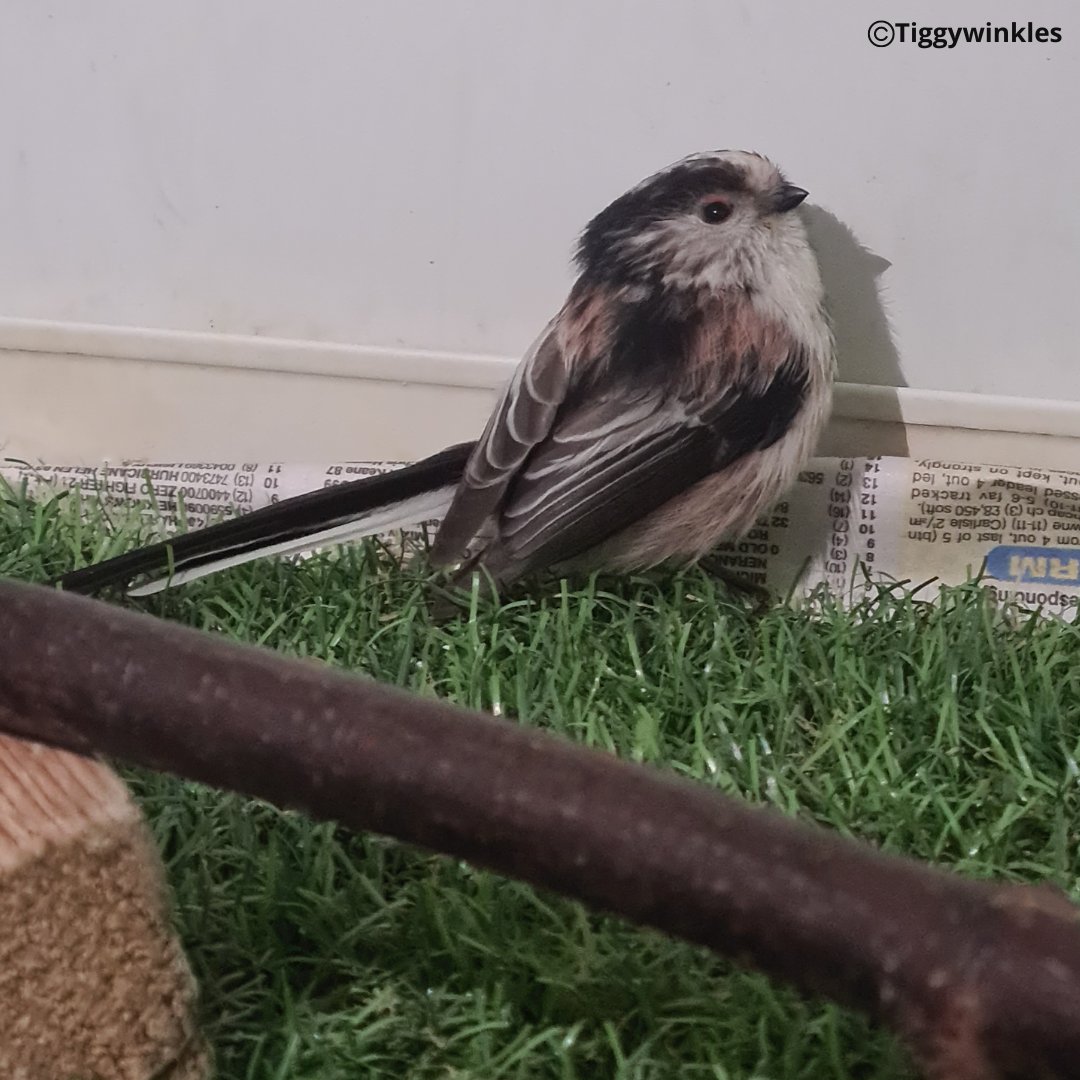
(522, 418)
(595, 430)
(577, 491)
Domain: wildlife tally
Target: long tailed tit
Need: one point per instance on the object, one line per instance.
(669, 402)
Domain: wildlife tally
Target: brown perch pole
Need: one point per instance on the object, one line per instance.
(982, 980)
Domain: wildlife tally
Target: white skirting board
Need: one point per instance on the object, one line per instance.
(76, 393)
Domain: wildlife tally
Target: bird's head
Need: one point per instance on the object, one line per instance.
(708, 222)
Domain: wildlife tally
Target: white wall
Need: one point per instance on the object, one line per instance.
(413, 172)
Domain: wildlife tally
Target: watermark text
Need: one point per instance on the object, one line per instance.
(882, 32)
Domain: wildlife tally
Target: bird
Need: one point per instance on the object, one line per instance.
(668, 403)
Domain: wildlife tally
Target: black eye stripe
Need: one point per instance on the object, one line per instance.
(669, 194)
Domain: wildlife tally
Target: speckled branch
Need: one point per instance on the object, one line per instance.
(982, 980)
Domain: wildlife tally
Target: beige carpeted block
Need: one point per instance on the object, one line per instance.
(93, 983)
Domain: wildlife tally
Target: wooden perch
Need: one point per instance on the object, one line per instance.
(93, 982)
(981, 980)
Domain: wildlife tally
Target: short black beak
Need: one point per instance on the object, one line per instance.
(787, 197)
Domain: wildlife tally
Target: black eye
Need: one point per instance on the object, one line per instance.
(715, 211)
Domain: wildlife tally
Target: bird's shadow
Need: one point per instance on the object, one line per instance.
(865, 348)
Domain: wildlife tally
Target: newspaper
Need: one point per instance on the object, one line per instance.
(845, 522)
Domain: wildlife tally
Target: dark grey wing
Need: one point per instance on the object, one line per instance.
(618, 456)
(522, 419)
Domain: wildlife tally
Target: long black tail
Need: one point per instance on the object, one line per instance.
(347, 511)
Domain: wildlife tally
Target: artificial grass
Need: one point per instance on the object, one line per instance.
(946, 731)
